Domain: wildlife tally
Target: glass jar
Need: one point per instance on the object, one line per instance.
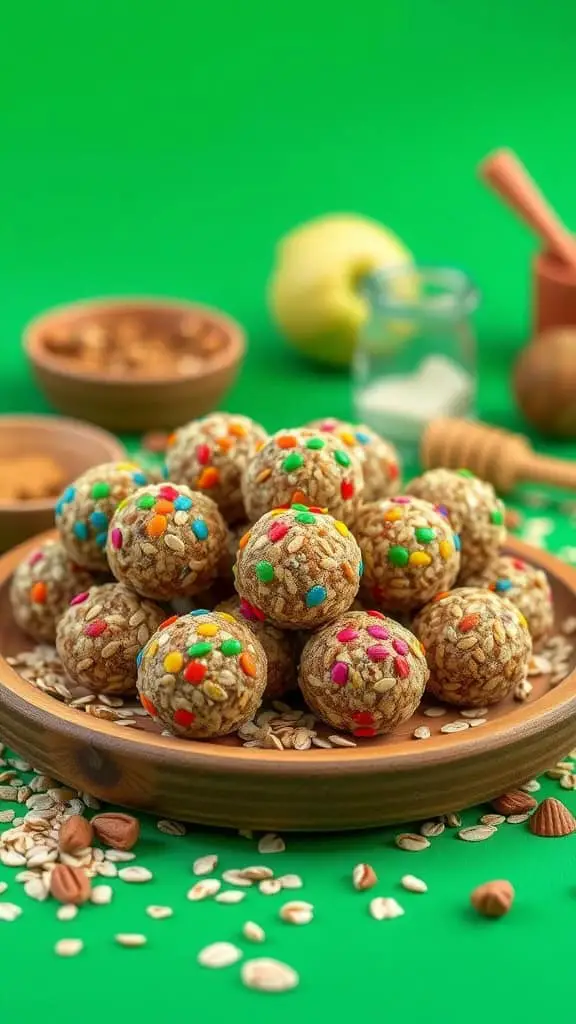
(415, 358)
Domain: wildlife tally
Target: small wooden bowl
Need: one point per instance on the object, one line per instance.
(73, 446)
(381, 781)
(127, 402)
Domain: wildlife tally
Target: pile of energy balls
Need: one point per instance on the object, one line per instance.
(262, 563)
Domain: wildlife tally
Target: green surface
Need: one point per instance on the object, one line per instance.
(165, 150)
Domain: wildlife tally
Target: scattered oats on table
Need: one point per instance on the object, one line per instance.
(410, 553)
(84, 510)
(298, 567)
(210, 455)
(477, 646)
(166, 542)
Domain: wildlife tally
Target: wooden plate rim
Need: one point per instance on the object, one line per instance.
(194, 755)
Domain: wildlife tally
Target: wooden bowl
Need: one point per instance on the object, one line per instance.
(126, 402)
(384, 780)
(73, 446)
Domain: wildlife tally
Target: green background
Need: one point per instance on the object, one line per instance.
(164, 149)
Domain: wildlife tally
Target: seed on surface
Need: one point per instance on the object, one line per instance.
(36, 889)
(101, 895)
(476, 833)
(435, 712)
(363, 877)
(256, 872)
(204, 889)
(452, 819)
(412, 842)
(271, 843)
(290, 881)
(385, 908)
(253, 932)
(67, 912)
(230, 896)
(119, 856)
(219, 954)
(297, 912)
(135, 874)
(270, 886)
(9, 911)
(236, 877)
(68, 947)
(432, 829)
(458, 726)
(413, 884)
(422, 732)
(205, 865)
(492, 819)
(268, 975)
(130, 939)
(159, 913)
(517, 819)
(532, 786)
(171, 828)
(342, 741)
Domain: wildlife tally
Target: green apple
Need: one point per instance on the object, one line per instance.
(313, 292)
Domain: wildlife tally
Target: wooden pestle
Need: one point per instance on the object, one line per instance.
(503, 458)
(504, 172)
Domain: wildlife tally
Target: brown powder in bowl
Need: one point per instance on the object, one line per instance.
(30, 478)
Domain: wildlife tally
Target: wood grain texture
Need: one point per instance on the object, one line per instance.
(385, 780)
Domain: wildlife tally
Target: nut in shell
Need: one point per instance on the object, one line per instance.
(76, 833)
(493, 899)
(69, 885)
(364, 877)
(552, 819)
(116, 829)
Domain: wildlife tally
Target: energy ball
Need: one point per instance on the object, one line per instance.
(202, 675)
(84, 511)
(166, 541)
(304, 467)
(525, 586)
(99, 637)
(298, 567)
(474, 511)
(410, 553)
(42, 588)
(379, 459)
(279, 647)
(477, 646)
(211, 454)
(363, 673)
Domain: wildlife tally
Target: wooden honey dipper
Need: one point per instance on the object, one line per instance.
(502, 458)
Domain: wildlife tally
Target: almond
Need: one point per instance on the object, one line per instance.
(514, 802)
(363, 877)
(552, 819)
(75, 834)
(118, 830)
(69, 885)
(493, 899)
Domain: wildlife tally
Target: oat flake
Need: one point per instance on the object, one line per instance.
(413, 884)
(385, 908)
(205, 865)
(271, 843)
(476, 833)
(267, 975)
(68, 947)
(219, 954)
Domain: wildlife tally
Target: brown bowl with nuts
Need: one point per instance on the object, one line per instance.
(39, 456)
(134, 364)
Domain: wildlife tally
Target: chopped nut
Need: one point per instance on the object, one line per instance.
(493, 899)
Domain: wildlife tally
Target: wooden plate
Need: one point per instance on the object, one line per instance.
(384, 780)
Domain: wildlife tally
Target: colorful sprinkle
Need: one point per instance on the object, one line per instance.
(365, 732)
(200, 529)
(68, 496)
(378, 632)
(80, 531)
(200, 649)
(347, 438)
(99, 520)
(502, 585)
(441, 595)
(182, 503)
(80, 598)
(315, 443)
(250, 611)
(375, 614)
(148, 706)
(346, 490)
(398, 556)
(101, 539)
(442, 511)
(497, 517)
(207, 629)
(230, 648)
(402, 668)
(306, 518)
(298, 507)
(286, 441)
(95, 628)
(363, 717)
(156, 526)
(420, 559)
(237, 430)
(151, 650)
(446, 549)
(139, 478)
(298, 497)
(183, 718)
(362, 438)
(457, 544)
(35, 558)
(293, 462)
(139, 657)
(400, 646)
(377, 652)
(208, 478)
(244, 539)
(263, 475)
(39, 593)
(265, 572)
(100, 490)
(276, 531)
(360, 568)
(339, 673)
(173, 661)
(347, 634)
(392, 515)
(522, 620)
(342, 458)
(465, 472)
(224, 443)
(194, 672)
(393, 471)
(248, 665)
(341, 528)
(164, 507)
(199, 611)
(315, 596)
(425, 534)
(468, 622)
(349, 572)
(146, 501)
(519, 564)
(401, 499)
(226, 616)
